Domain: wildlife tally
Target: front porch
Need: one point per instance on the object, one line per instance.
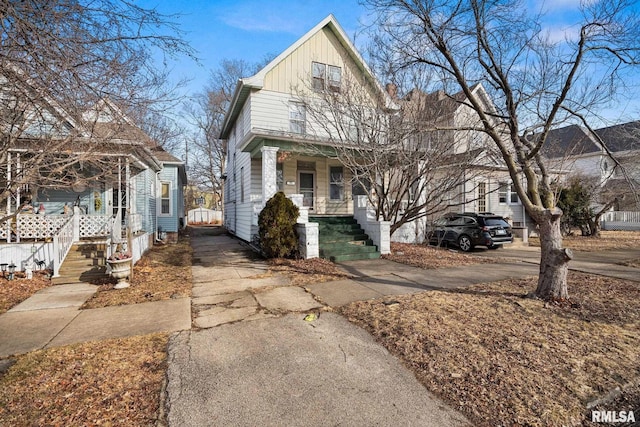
(44, 241)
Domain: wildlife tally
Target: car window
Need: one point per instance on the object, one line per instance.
(455, 221)
(492, 222)
(469, 221)
(440, 221)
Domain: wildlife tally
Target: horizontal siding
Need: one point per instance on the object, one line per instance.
(270, 110)
(255, 192)
(243, 220)
(170, 223)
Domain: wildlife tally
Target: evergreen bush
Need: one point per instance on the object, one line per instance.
(278, 237)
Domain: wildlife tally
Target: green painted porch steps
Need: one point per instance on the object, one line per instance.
(342, 239)
(86, 262)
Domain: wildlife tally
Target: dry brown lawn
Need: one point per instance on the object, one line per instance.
(13, 292)
(428, 257)
(307, 271)
(608, 240)
(504, 359)
(112, 382)
(163, 272)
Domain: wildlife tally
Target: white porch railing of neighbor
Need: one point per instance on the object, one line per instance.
(62, 243)
(95, 225)
(620, 220)
(30, 226)
(35, 227)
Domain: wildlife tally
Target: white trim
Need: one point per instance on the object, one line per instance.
(160, 199)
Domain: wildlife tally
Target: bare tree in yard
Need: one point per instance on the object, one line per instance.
(207, 153)
(391, 146)
(58, 60)
(535, 82)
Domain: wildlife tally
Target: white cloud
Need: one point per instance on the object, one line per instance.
(561, 33)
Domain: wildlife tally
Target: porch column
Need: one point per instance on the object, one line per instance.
(269, 179)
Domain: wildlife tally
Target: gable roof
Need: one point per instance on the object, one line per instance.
(574, 140)
(256, 82)
(621, 137)
(439, 105)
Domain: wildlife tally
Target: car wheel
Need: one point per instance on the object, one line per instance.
(494, 247)
(464, 242)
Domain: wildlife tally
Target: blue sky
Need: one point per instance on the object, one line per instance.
(248, 29)
(252, 29)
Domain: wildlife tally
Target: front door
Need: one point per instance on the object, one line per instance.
(306, 187)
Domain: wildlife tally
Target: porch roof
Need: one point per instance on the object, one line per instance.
(139, 153)
(287, 142)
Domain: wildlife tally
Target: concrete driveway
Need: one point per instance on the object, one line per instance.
(254, 359)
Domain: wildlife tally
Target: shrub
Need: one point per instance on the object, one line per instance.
(278, 237)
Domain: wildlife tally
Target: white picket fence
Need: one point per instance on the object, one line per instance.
(620, 220)
(204, 216)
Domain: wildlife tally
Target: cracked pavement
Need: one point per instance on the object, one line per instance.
(252, 359)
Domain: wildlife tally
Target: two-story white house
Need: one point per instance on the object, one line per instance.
(269, 135)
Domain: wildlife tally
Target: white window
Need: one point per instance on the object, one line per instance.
(335, 78)
(319, 72)
(165, 198)
(297, 117)
(336, 183)
(507, 194)
(326, 77)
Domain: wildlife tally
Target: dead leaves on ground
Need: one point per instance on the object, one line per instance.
(13, 292)
(164, 272)
(430, 257)
(508, 360)
(608, 240)
(113, 382)
(307, 271)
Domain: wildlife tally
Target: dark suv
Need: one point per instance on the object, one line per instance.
(471, 229)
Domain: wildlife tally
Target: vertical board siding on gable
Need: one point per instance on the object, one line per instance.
(170, 223)
(295, 70)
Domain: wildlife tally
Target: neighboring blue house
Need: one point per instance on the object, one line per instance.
(139, 183)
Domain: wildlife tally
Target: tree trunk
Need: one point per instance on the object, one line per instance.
(554, 260)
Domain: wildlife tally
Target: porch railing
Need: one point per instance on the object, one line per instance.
(62, 243)
(29, 226)
(95, 225)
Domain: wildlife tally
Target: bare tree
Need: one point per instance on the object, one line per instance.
(207, 153)
(536, 84)
(409, 168)
(58, 61)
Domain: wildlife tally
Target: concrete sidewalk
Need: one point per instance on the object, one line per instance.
(52, 317)
(604, 263)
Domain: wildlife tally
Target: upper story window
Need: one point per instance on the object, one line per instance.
(297, 117)
(326, 77)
